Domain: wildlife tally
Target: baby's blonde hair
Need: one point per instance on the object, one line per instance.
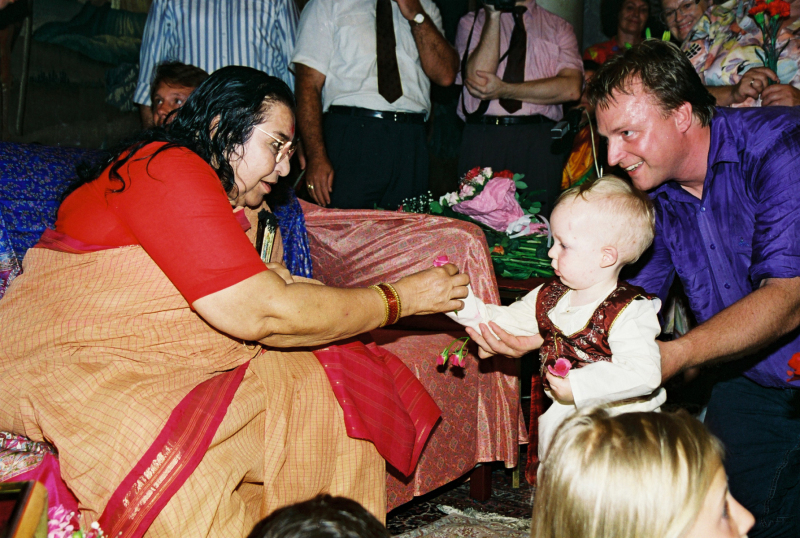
(614, 198)
(635, 475)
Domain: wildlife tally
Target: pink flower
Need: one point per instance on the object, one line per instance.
(495, 206)
(480, 180)
(441, 359)
(487, 173)
(441, 260)
(466, 190)
(562, 368)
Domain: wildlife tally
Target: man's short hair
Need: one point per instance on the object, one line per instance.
(176, 74)
(615, 201)
(665, 73)
(321, 517)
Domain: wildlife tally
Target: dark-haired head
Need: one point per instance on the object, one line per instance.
(665, 74)
(321, 517)
(177, 74)
(216, 121)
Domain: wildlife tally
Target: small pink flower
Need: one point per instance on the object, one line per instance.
(454, 359)
(561, 369)
(480, 180)
(441, 260)
(440, 359)
(466, 190)
(487, 173)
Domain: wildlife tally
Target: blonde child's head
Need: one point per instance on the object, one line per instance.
(635, 475)
(619, 215)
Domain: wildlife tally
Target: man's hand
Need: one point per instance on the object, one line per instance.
(319, 180)
(780, 95)
(752, 84)
(504, 343)
(561, 388)
(486, 85)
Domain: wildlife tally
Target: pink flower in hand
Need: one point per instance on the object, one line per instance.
(560, 369)
(495, 206)
(441, 260)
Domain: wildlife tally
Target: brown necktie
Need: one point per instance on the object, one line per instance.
(515, 66)
(389, 85)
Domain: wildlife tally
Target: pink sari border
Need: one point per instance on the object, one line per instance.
(172, 457)
(60, 242)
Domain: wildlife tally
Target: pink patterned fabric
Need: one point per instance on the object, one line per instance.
(481, 415)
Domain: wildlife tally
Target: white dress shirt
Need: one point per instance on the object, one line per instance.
(337, 38)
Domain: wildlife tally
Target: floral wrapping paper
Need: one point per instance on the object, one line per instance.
(723, 45)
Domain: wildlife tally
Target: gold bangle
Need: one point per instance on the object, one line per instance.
(392, 308)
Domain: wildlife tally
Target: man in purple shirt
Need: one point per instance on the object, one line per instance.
(726, 186)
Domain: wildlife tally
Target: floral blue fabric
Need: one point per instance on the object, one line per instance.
(32, 179)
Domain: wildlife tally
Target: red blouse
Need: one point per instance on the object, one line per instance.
(174, 206)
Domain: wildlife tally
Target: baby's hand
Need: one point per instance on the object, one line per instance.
(561, 388)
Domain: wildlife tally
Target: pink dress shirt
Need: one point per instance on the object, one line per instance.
(552, 46)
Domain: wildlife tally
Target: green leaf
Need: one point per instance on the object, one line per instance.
(521, 185)
(436, 207)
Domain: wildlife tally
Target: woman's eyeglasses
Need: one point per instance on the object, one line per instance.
(284, 149)
(682, 10)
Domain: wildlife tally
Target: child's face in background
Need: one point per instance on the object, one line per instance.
(577, 244)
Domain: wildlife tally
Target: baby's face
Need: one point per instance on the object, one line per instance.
(577, 245)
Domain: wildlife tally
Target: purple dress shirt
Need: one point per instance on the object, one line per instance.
(745, 228)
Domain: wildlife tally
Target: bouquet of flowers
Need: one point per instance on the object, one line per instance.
(768, 14)
(518, 236)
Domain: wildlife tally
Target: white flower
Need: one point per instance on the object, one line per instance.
(487, 173)
(95, 525)
(450, 199)
(480, 180)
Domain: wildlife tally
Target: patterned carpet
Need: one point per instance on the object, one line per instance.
(505, 501)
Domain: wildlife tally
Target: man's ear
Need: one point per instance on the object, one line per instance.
(684, 117)
(610, 256)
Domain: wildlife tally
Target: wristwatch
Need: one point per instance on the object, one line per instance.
(419, 18)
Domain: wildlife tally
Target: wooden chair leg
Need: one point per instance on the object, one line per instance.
(480, 482)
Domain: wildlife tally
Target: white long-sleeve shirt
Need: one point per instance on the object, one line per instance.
(633, 372)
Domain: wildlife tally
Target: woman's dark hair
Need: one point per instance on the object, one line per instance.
(215, 122)
(665, 73)
(321, 517)
(609, 16)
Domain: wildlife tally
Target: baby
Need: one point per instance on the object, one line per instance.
(604, 327)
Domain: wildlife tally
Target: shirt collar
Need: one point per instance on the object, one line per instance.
(723, 148)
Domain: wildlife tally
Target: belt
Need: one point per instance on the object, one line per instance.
(399, 117)
(508, 120)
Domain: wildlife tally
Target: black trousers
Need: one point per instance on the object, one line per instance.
(523, 149)
(376, 162)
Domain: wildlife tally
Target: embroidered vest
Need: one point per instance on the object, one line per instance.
(589, 344)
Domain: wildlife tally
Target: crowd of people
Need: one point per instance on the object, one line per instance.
(149, 341)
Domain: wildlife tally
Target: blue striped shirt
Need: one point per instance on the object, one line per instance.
(211, 34)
